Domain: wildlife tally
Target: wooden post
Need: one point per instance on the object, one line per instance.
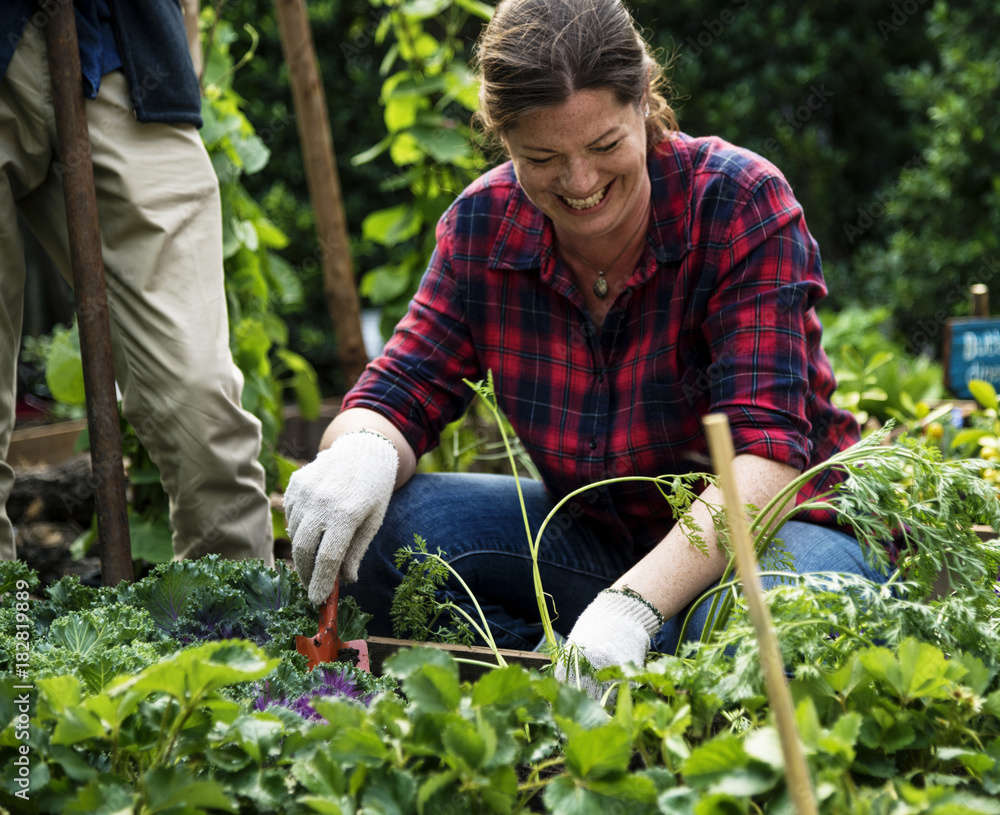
(92, 315)
(980, 300)
(720, 443)
(324, 185)
(191, 11)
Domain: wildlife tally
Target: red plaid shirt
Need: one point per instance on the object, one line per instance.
(718, 316)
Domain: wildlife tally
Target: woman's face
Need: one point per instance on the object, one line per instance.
(583, 163)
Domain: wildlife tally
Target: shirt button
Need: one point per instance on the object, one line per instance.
(593, 443)
(600, 376)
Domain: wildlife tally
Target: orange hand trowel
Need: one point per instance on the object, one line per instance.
(325, 645)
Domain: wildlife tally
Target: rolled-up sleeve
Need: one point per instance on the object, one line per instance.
(761, 325)
(417, 382)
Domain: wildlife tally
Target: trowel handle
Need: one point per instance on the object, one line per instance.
(328, 611)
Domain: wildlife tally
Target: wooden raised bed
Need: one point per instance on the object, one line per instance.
(380, 648)
(47, 444)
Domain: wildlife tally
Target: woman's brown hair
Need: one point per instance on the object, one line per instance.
(537, 53)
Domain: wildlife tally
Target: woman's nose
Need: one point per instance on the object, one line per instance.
(579, 177)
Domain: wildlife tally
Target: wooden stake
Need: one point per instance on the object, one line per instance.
(191, 9)
(720, 443)
(92, 314)
(324, 185)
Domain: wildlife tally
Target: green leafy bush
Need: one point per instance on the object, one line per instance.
(944, 210)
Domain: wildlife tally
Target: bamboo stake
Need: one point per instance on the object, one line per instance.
(324, 186)
(92, 314)
(720, 443)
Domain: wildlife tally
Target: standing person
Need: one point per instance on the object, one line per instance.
(161, 230)
(621, 280)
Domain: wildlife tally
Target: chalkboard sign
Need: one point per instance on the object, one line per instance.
(971, 351)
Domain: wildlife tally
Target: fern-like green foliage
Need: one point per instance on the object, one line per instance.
(417, 612)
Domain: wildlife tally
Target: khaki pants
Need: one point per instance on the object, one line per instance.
(159, 210)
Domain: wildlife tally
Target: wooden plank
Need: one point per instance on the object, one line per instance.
(380, 648)
(44, 444)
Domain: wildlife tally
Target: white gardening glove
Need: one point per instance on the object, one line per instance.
(615, 629)
(335, 505)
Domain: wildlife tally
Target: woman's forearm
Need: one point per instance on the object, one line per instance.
(365, 419)
(676, 572)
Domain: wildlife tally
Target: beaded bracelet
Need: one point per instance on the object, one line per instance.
(370, 432)
(633, 594)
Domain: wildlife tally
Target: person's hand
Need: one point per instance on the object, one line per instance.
(615, 629)
(335, 505)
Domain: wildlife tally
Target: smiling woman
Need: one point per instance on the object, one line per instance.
(620, 280)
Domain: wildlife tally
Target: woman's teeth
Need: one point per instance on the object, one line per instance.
(584, 203)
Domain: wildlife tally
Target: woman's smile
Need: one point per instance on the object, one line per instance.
(583, 164)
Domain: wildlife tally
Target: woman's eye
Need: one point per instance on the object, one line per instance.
(607, 148)
(539, 160)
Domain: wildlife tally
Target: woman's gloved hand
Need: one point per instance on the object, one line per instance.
(615, 629)
(335, 505)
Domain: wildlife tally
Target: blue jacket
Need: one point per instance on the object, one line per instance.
(151, 43)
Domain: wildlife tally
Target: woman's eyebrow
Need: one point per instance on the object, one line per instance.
(600, 138)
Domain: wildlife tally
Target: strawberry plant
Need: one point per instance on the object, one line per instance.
(183, 692)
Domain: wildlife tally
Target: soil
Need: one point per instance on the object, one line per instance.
(53, 505)
(50, 507)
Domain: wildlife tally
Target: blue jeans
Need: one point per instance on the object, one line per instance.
(476, 519)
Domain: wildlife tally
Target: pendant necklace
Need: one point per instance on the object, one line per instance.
(600, 287)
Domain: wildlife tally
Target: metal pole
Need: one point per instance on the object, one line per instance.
(91, 295)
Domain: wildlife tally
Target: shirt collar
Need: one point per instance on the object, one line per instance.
(525, 240)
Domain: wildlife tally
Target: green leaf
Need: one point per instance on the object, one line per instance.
(597, 753)
(394, 794)
(169, 787)
(481, 10)
(919, 672)
(392, 226)
(984, 393)
(77, 724)
(151, 541)
(384, 284)
(252, 344)
(283, 279)
(305, 383)
(105, 795)
(197, 671)
(504, 687)
(327, 806)
(422, 9)
(257, 734)
(429, 677)
(64, 368)
(401, 112)
(253, 153)
(474, 744)
(443, 144)
(321, 774)
(373, 152)
(76, 767)
(436, 784)
(711, 761)
(564, 796)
